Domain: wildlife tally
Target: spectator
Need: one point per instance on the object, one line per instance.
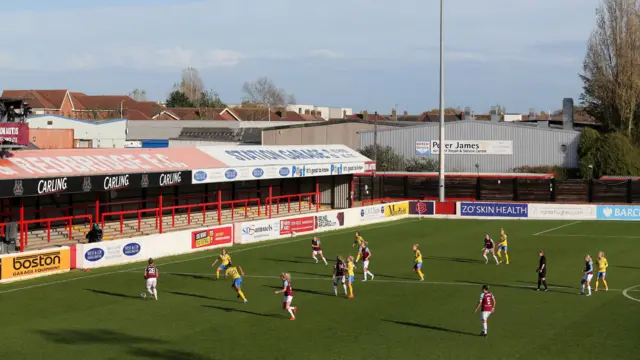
(95, 234)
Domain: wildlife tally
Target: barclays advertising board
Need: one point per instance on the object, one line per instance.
(613, 212)
(494, 210)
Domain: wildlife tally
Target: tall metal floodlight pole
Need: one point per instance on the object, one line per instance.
(441, 142)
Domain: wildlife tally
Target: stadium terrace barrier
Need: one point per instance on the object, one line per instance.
(118, 252)
(270, 229)
(32, 264)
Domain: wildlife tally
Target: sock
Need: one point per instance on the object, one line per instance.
(495, 258)
(217, 274)
(325, 260)
(589, 289)
(242, 295)
(486, 259)
(596, 285)
(350, 290)
(345, 288)
(290, 310)
(358, 257)
(150, 291)
(335, 289)
(506, 257)
(545, 284)
(539, 283)
(500, 256)
(155, 293)
(606, 286)
(582, 288)
(315, 258)
(370, 274)
(484, 327)
(420, 273)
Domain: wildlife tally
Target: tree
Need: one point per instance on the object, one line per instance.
(138, 94)
(386, 158)
(448, 111)
(211, 99)
(264, 92)
(611, 68)
(178, 99)
(191, 85)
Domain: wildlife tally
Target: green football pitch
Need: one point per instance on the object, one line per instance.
(100, 314)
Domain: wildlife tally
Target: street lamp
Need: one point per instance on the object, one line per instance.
(442, 147)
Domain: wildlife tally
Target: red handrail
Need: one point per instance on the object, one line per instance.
(269, 201)
(123, 213)
(26, 223)
(204, 207)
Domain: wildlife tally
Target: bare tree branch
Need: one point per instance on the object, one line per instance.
(138, 94)
(191, 85)
(263, 92)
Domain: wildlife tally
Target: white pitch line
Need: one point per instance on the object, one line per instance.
(416, 282)
(556, 228)
(596, 236)
(626, 291)
(274, 242)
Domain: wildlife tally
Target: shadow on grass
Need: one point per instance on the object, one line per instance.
(455, 259)
(520, 287)
(551, 285)
(626, 267)
(198, 296)
(196, 277)
(227, 309)
(304, 291)
(429, 327)
(94, 336)
(289, 261)
(168, 355)
(114, 294)
(397, 277)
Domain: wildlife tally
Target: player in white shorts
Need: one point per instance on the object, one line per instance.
(588, 275)
(151, 276)
(288, 295)
(366, 256)
(487, 305)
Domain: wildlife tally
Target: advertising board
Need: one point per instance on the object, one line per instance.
(396, 209)
(470, 147)
(30, 264)
(297, 225)
(330, 220)
(116, 252)
(562, 211)
(493, 209)
(422, 208)
(204, 176)
(368, 213)
(618, 212)
(261, 230)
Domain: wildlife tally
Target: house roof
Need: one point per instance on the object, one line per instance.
(343, 121)
(134, 114)
(255, 114)
(100, 102)
(39, 99)
(243, 135)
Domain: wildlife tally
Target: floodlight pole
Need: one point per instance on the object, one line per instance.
(441, 141)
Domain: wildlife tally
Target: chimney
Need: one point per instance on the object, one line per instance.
(344, 114)
(405, 114)
(532, 114)
(365, 115)
(567, 114)
(462, 115)
(495, 116)
(307, 112)
(394, 114)
(467, 114)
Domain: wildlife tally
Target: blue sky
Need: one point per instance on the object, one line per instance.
(365, 54)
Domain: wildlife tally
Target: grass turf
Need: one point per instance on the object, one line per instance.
(100, 315)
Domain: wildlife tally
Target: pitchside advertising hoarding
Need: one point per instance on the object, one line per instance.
(396, 209)
(493, 210)
(562, 211)
(32, 264)
(368, 213)
(212, 237)
(203, 176)
(422, 208)
(464, 147)
(615, 212)
(276, 228)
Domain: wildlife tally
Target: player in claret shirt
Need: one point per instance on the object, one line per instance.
(488, 305)
(588, 275)
(489, 247)
(151, 276)
(317, 250)
(366, 256)
(339, 270)
(288, 295)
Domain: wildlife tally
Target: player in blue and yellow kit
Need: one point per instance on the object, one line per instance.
(603, 264)
(225, 260)
(417, 264)
(236, 274)
(358, 244)
(351, 273)
(502, 245)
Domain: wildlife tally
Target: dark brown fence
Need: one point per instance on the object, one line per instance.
(495, 189)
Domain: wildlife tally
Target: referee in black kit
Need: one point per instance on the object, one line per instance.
(542, 271)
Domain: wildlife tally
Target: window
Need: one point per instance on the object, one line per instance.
(49, 122)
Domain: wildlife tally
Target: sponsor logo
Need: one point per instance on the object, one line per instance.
(284, 171)
(116, 182)
(257, 173)
(200, 176)
(35, 264)
(330, 221)
(144, 182)
(371, 212)
(170, 179)
(94, 254)
(421, 208)
(86, 184)
(396, 209)
(230, 174)
(18, 189)
(131, 249)
(494, 210)
(257, 231)
(557, 211)
(52, 186)
(299, 225)
(618, 213)
(211, 237)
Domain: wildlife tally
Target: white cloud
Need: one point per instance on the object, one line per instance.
(222, 58)
(326, 53)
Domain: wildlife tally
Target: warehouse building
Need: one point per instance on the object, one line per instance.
(485, 146)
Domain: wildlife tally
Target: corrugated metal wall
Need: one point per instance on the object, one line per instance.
(532, 146)
(341, 191)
